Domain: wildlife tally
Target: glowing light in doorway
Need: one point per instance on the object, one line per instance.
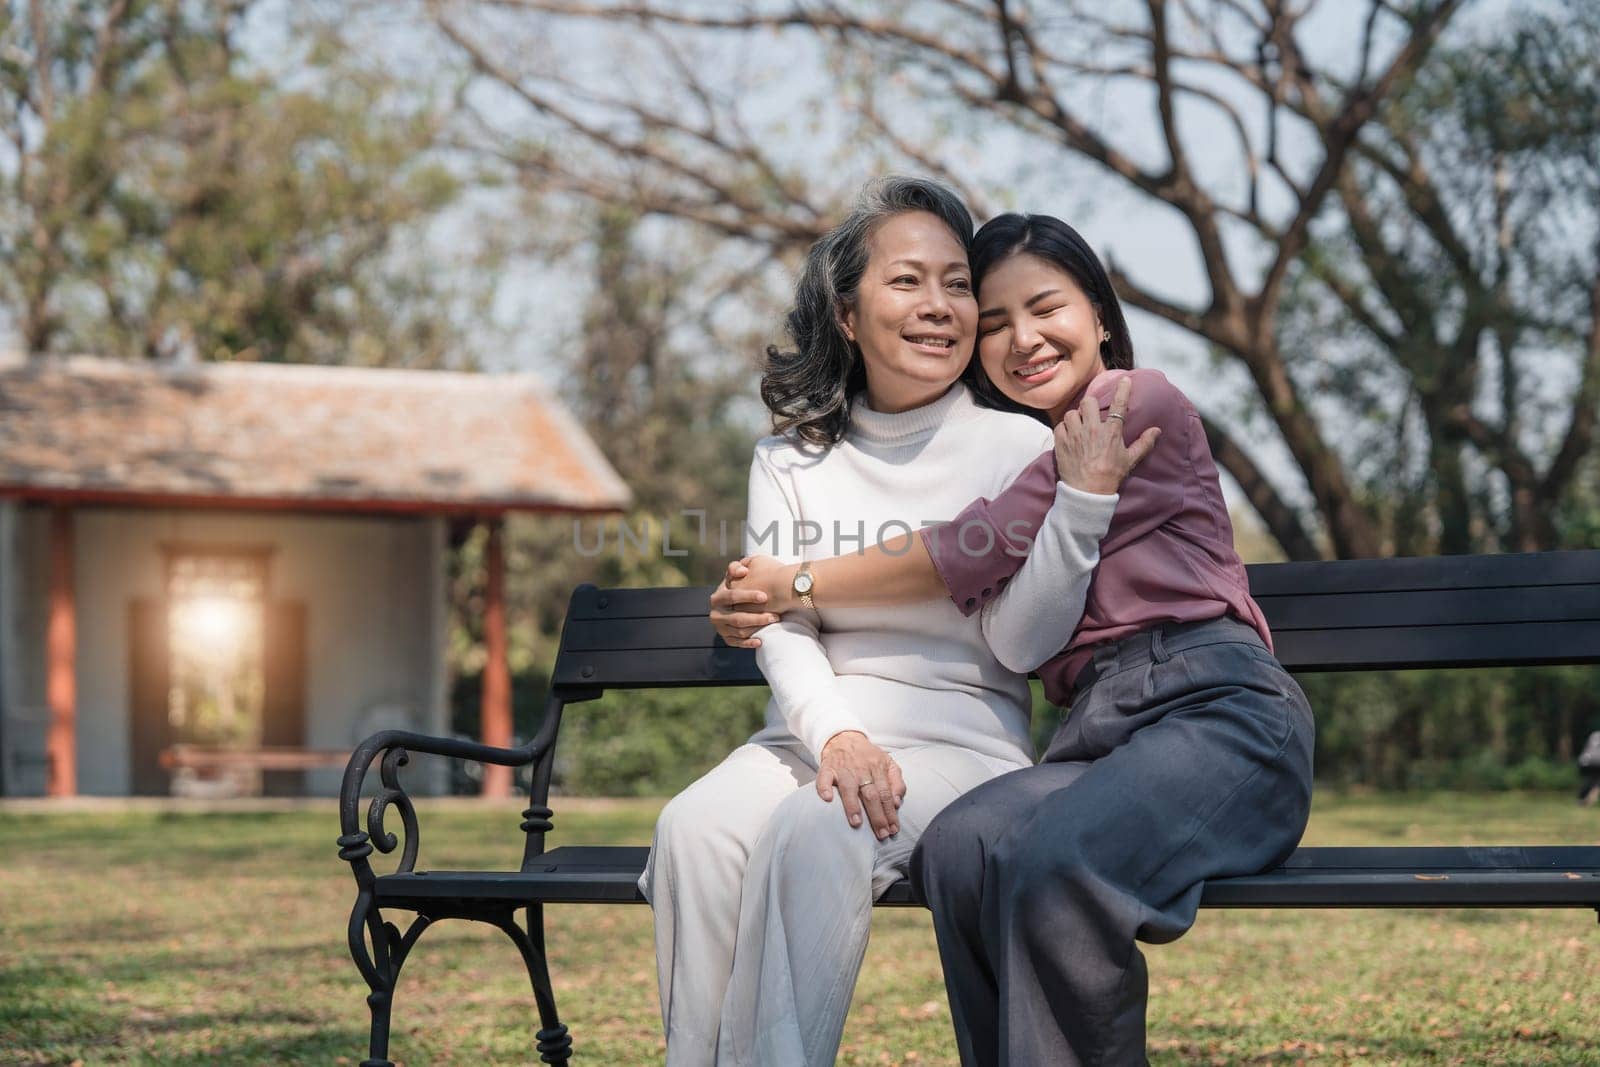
(213, 625)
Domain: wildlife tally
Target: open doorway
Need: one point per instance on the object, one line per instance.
(217, 665)
(217, 657)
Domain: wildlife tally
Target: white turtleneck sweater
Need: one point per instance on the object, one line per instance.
(912, 674)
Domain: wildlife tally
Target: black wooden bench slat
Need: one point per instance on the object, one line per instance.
(1403, 647)
(1471, 876)
(626, 635)
(1439, 607)
(1410, 573)
(589, 604)
(663, 668)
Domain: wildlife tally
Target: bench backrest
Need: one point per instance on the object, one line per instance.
(1446, 611)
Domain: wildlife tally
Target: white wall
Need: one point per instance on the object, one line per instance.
(374, 595)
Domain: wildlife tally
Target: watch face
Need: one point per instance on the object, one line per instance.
(802, 583)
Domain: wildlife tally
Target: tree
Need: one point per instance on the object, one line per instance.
(1464, 276)
(1320, 147)
(669, 424)
(164, 196)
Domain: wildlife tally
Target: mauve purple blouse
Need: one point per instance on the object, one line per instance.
(1168, 556)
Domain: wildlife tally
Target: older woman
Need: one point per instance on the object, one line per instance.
(762, 885)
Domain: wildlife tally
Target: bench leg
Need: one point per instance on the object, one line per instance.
(378, 1004)
(381, 968)
(555, 1046)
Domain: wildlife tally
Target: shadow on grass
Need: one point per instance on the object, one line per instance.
(1202, 1044)
(50, 1014)
(32, 993)
(327, 1045)
(307, 1043)
(156, 965)
(247, 844)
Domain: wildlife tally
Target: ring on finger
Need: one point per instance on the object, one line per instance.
(864, 782)
(1116, 415)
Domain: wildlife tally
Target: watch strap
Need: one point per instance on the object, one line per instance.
(805, 597)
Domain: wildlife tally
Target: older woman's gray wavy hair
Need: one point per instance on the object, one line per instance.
(808, 390)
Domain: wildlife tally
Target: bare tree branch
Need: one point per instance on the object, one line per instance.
(1281, 520)
(719, 194)
(1339, 134)
(828, 19)
(1579, 438)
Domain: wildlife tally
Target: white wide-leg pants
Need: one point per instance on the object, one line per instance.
(763, 893)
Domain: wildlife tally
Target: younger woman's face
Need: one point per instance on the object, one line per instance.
(1038, 334)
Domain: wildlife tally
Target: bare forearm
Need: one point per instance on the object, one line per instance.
(898, 571)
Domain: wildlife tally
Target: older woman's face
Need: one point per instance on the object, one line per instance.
(1038, 333)
(915, 317)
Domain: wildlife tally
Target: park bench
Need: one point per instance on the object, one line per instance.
(1462, 611)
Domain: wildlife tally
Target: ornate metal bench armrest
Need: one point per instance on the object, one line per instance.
(396, 746)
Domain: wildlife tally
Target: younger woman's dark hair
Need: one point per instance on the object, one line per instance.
(1057, 243)
(808, 390)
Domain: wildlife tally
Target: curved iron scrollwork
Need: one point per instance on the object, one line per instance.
(396, 747)
(394, 794)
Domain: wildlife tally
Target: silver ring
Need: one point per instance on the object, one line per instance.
(1115, 415)
(864, 781)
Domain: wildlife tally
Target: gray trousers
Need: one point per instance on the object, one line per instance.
(1188, 757)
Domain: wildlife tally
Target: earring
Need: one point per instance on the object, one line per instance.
(1105, 336)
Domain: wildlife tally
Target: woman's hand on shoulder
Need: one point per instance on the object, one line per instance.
(754, 593)
(1090, 452)
(868, 779)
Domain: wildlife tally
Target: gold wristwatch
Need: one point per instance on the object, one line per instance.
(803, 583)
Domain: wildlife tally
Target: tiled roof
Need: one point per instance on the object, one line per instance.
(283, 435)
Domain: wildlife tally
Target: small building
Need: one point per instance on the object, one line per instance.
(249, 560)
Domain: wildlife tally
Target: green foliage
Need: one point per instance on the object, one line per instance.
(165, 197)
(653, 742)
(670, 427)
(1477, 729)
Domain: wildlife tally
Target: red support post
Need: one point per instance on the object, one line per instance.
(496, 709)
(61, 639)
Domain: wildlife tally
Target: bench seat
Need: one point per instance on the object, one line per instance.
(1472, 877)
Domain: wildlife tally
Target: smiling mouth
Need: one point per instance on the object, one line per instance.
(1031, 369)
(934, 342)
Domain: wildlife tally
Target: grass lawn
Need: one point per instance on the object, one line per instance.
(185, 938)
